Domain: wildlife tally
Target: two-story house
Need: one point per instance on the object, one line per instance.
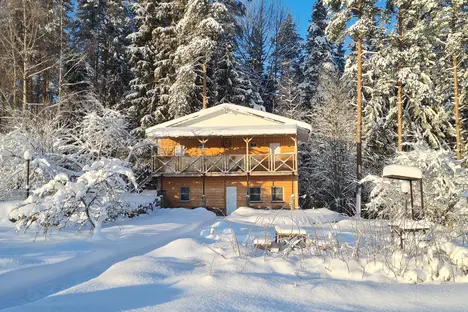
(228, 156)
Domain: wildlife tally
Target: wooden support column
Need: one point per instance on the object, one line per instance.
(247, 169)
(295, 154)
(203, 169)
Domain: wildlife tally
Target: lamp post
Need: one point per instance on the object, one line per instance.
(27, 156)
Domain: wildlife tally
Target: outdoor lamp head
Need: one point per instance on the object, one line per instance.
(27, 155)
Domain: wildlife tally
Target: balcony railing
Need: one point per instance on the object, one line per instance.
(225, 164)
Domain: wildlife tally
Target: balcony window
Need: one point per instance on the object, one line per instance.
(253, 144)
(179, 150)
(184, 194)
(255, 195)
(277, 194)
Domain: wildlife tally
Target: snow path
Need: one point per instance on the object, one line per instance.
(30, 271)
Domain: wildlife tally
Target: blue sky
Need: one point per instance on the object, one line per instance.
(301, 11)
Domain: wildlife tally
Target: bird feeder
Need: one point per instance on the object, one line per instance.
(406, 174)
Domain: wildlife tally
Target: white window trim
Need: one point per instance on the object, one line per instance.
(254, 201)
(180, 195)
(277, 201)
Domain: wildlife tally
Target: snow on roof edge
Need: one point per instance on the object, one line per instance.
(234, 107)
(220, 131)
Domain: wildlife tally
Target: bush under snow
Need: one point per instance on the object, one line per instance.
(95, 196)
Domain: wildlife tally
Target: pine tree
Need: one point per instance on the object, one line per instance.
(229, 83)
(328, 160)
(318, 66)
(197, 34)
(100, 33)
(288, 55)
(141, 98)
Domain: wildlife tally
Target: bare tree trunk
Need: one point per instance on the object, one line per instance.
(25, 61)
(455, 92)
(359, 118)
(400, 84)
(60, 73)
(204, 86)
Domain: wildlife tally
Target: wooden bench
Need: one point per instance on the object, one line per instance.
(287, 233)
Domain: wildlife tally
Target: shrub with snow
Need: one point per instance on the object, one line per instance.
(47, 142)
(94, 197)
(444, 184)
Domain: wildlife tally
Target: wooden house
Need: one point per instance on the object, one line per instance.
(228, 156)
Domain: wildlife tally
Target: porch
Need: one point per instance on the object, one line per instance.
(233, 164)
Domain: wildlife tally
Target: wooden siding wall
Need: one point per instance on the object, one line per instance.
(213, 146)
(215, 190)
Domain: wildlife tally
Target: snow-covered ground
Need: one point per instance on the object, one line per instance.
(188, 260)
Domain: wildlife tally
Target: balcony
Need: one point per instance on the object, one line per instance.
(225, 164)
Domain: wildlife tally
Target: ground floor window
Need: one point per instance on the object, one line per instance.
(277, 194)
(255, 194)
(184, 193)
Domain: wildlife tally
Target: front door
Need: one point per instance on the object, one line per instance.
(231, 199)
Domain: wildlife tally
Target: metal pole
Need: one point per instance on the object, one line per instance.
(412, 203)
(422, 198)
(27, 177)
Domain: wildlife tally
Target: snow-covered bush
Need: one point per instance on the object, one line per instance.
(48, 142)
(95, 196)
(102, 133)
(444, 185)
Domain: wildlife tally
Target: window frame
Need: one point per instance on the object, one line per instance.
(250, 194)
(180, 194)
(282, 194)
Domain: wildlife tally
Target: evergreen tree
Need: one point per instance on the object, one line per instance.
(288, 54)
(229, 83)
(318, 66)
(100, 33)
(197, 34)
(141, 98)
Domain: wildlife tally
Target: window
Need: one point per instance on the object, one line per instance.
(253, 144)
(255, 194)
(277, 194)
(184, 193)
(179, 150)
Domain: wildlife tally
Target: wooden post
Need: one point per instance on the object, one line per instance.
(204, 86)
(247, 169)
(359, 118)
(455, 93)
(203, 168)
(295, 154)
(400, 84)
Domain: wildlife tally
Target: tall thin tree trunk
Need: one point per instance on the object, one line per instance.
(400, 84)
(25, 61)
(455, 92)
(59, 99)
(359, 118)
(204, 86)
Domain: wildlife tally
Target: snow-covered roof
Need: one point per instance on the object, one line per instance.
(402, 172)
(230, 120)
